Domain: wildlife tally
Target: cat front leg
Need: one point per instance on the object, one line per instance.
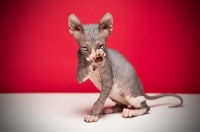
(84, 69)
(83, 73)
(107, 83)
(93, 115)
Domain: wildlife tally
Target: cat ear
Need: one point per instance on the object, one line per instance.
(106, 23)
(75, 26)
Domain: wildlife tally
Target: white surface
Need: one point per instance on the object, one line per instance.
(65, 113)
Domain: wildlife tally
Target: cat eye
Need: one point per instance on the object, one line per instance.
(84, 48)
(101, 46)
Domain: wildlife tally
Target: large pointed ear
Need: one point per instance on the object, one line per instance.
(75, 26)
(106, 23)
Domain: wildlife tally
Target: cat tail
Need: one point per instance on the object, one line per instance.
(164, 95)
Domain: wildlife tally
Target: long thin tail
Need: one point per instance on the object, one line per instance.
(164, 95)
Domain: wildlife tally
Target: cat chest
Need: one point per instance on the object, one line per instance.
(115, 92)
(95, 78)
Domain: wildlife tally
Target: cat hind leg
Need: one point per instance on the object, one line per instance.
(139, 104)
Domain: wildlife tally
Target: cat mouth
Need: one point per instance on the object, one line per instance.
(98, 59)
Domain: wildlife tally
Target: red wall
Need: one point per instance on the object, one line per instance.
(160, 38)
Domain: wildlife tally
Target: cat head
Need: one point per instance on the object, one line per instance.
(90, 37)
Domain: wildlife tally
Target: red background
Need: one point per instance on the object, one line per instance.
(159, 37)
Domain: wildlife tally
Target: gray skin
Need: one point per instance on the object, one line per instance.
(110, 72)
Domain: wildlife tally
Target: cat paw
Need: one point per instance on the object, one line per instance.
(127, 113)
(100, 53)
(100, 57)
(91, 118)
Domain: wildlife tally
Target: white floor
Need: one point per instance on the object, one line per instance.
(65, 112)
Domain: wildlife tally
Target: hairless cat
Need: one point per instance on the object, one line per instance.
(109, 71)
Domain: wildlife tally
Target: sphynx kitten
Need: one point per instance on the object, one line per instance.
(109, 71)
